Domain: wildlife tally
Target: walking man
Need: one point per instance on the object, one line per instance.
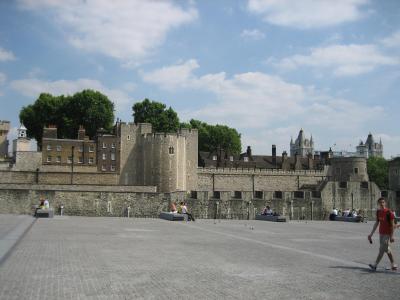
(385, 219)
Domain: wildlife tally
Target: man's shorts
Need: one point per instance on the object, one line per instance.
(384, 240)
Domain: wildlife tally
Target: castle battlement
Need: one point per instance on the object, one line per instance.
(252, 171)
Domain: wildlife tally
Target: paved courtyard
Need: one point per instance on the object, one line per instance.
(120, 258)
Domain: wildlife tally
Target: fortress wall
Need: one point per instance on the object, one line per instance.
(40, 177)
(85, 202)
(353, 196)
(264, 180)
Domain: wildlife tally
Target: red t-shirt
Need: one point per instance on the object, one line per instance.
(385, 227)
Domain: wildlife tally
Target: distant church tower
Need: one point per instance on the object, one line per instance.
(21, 143)
(370, 148)
(301, 145)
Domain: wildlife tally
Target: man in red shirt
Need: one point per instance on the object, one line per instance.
(385, 219)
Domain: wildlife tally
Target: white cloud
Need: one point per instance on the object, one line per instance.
(254, 34)
(32, 87)
(343, 60)
(256, 100)
(128, 30)
(305, 14)
(392, 41)
(6, 55)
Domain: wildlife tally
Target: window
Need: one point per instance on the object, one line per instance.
(278, 194)
(216, 195)
(395, 171)
(80, 149)
(384, 194)
(58, 148)
(91, 160)
(112, 156)
(69, 160)
(112, 167)
(80, 160)
(214, 157)
(343, 184)
(193, 194)
(258, 194)
(316, 194)
(49, 158)
(298, 194)
(112, 145)
(103, 168)
(91, 148)
(364, 184)
(246, 159)
(104, 145)
(355, 170)
(104, 156)
(231, 158)
(48, 147)
(171, 150)
(128, 137)
(337, 171)
(238, 194)
(58, 159)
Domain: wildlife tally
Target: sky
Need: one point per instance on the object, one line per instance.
(267, 68)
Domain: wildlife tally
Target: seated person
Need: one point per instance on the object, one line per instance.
(333, 214)
(346, 213)
(185, 212)
(173, 207)
(46, 204)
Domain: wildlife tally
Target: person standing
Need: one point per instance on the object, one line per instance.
(385, 220)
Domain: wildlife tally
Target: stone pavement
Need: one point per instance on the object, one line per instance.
(117, 258)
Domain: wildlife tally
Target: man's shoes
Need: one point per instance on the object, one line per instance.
(373, 267)
(394, 267)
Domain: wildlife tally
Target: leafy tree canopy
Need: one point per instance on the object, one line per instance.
(214, 138)
(89, 108)
(378, 171)
(156, 113)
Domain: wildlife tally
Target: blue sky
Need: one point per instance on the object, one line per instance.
(264, 67)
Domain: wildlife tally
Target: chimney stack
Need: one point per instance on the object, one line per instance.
(274, 155)
(81, 133)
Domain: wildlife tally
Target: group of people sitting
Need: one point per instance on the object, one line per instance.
(181, 209)
(346, 213)
(267, 211)
(44, 204)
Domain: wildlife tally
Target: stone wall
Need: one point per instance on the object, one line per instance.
(211, 179)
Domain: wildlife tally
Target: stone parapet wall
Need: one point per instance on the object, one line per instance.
(30, 177)
(259, 180)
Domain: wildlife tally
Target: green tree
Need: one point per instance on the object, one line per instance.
(378, 171)
(89, 108)
(216, 138)
(156, 113)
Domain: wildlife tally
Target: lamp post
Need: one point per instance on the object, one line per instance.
(72, 164)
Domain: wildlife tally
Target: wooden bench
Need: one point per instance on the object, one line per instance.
(170, 216)
(271, 218)
(348, 219)
(44, 213)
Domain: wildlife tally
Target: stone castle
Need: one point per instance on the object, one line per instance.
(135, 168)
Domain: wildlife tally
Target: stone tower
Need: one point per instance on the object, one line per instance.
(4, 128)
(302, 146)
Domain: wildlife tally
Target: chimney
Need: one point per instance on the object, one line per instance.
(297, 162)
(81, 133)
(248, 151)
(274, 155)
(50, 132)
